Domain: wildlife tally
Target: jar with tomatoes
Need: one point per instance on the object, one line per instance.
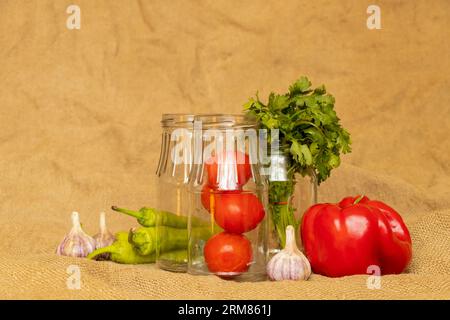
(228, 193)
(174, 167)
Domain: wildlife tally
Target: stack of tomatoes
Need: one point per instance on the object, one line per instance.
(235, 210)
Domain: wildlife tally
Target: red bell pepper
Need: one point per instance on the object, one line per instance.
(346, 238)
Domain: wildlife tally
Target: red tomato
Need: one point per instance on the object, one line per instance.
(206, 196)
(234, 170)
(208, 192)
(228, 254)
(238, 212)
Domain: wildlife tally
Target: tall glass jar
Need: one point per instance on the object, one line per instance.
(229, 216)
(290, 195)
(174, 167)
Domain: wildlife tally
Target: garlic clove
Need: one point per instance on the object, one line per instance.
(104, 238)
(76, 243)
(290, 263)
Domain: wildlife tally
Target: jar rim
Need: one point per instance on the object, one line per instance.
(177, 119)
(226, 120)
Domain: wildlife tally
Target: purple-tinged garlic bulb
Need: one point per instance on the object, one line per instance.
(104, 238)
(76, 243)
(290, 263)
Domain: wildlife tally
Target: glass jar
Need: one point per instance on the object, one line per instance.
(229, 216)
(290, 195)
(174, 167)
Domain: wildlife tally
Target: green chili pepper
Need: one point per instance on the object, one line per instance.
(145, 240)
(123, 252)
(150, 217)
(177, 256)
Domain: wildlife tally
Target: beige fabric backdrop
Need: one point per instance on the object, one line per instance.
(80, 110)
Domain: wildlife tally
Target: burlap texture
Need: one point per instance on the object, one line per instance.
(80, 111)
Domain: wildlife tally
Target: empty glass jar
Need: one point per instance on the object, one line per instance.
(173, 171)
(228, 212)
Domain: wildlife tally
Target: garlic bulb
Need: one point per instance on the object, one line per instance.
(104, 238)
(77, 243)
(290, 263)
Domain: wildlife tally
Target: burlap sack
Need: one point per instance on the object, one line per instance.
(80, 110)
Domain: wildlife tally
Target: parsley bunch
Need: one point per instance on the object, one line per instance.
(309, 132)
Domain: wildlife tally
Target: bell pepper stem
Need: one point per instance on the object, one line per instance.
(358, 199)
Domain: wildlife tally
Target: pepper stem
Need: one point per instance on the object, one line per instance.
(132, 213)
(93, 254)
(358, 199)
(137, 238)
(131, 233)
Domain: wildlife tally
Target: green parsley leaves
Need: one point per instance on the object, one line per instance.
(308, 124)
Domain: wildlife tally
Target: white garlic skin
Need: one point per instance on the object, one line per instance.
(76, 243)
(290, 263)
(104, 238)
